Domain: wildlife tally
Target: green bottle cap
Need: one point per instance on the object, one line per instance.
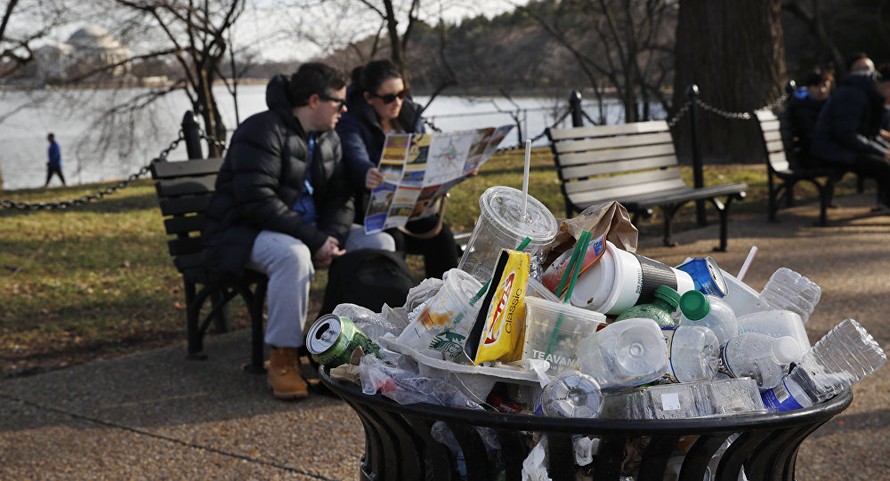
(669, 295)
(694, 305)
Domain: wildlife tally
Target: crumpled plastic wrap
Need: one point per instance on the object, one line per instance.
(407, 387)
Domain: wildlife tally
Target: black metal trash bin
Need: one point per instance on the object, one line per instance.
(399, 446)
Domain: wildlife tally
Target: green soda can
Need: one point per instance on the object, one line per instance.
(332, 339)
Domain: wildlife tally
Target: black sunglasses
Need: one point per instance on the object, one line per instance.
(390, 98)
(341, 103)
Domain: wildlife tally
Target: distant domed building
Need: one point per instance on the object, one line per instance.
(87, 50)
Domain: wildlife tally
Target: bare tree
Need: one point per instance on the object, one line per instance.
(618, 44)
(195, 34)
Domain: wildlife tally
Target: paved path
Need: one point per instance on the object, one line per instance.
(154, 415)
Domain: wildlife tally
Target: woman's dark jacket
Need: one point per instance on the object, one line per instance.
(362, 139)
(802, 113)
(849, 121)
(262, 177)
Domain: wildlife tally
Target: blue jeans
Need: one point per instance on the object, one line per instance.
(288, 263)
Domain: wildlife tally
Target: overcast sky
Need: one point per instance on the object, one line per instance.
(310, 28)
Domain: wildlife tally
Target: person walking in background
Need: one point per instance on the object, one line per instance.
(850, 122)
(283, 206)
(54, 164)
(379, 104)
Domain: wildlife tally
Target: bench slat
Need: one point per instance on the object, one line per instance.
(623, 193)
(194, 167)
(617, 154)
(590, 170)
(188, 245)
(186, 186)
(185, 205)
(614, 142)
(184, 224)
(602, 130)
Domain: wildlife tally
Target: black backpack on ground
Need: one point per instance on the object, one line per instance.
(369, 278)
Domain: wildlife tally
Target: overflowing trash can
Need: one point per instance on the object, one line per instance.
(574, 358)
(399, 444)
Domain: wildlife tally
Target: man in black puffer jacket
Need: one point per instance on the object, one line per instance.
(847, 128)
(283, 206)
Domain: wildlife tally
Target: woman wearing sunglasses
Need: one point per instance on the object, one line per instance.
(378, 104)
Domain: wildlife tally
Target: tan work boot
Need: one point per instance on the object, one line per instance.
(284, 374)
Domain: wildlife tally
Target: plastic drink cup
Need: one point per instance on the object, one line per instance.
(501, 225)
(706, 275)
(553, 331)
(445, 322)
(621, 279)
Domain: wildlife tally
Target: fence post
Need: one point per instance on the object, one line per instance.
(575, 108)
(697, 169)
(191, 132)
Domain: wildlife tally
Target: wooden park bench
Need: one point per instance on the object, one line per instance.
(184, 189)
(636, 165)
(784, 171)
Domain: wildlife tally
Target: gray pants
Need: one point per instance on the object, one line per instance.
(288, 263)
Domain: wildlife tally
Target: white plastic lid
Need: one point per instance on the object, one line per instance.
(594, 285)
(786, 349)
(503, 207)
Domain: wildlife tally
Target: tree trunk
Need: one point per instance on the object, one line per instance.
(734, 52)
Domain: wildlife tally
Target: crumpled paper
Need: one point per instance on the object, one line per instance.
(607, 221)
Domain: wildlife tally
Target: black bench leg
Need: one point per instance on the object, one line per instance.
(256, 328)
(723, 212)
(221, 319)
(668, 214)
(193, 330)
(826, 193)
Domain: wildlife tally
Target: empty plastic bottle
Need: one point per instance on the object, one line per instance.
(627, 353)
(777, 323)
(693, 353)
(840, 359)
(760, 357)
(699, 309)
(789, 290)
(570, 394)
(660, 310)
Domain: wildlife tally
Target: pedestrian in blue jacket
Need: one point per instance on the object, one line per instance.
(54, 164)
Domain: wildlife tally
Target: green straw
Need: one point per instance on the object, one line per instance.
(573, 270)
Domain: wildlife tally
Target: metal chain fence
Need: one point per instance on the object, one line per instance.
(86, 199)
(111, 189)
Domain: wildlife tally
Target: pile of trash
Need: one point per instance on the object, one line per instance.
(567, 320)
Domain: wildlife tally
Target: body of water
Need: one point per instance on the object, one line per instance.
(28, 116)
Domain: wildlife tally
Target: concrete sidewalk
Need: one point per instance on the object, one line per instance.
(154, 415)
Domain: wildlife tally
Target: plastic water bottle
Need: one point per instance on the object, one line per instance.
(684, 400)
(789, 290)
(698, 309)
(570, 394)
(693, 353)
(777, 323)
(760, 357)
(627, 353)
(660, 310)
(840, 359)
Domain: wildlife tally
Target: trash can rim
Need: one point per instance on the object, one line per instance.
(733, 423)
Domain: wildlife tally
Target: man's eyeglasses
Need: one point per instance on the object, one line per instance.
(390, 98)
(341, 103)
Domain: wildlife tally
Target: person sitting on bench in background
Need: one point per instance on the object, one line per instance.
(283, 206)
(803, 111)
(849, 124)
(379, 104)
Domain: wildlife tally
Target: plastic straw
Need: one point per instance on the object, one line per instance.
(747, 263)
(575, 269)
(528, 161)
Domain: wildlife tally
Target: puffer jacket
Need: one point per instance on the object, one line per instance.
(362, 138)
(849, 121)
(261, 179)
